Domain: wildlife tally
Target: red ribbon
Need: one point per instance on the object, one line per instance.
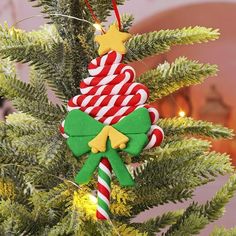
(117, 13)
(95, 17)
(92, 12)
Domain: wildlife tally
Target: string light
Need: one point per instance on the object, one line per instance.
(182, 113)
(98, 26)
(61, 15)
(93, 199)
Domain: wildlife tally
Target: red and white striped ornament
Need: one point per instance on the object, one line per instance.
(109, 95)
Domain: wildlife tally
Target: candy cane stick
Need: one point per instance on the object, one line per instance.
(104, 189)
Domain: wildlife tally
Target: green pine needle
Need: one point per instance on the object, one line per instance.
(168, 78)
(179, 126)
(223, 232)
(155, 225)
(157, 42)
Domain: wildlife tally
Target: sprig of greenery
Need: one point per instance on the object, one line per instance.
(157, 42)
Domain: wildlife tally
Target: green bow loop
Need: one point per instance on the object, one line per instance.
(84, 131)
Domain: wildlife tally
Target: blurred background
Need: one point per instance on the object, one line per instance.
(214, 100)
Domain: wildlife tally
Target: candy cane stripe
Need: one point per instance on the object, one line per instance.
(100, 195)
(104, 190)
(102, 182)
(105, 169)
(103, 213)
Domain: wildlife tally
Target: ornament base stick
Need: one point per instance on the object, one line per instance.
(104, 189)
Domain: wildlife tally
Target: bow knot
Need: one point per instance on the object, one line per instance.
(87, 135)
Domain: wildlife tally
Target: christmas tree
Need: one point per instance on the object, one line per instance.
(37, 188)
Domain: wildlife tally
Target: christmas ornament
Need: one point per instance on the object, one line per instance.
(109, 116)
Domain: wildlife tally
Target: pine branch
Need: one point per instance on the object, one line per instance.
(20, 46)
(10, 155)
(37, 168)
(46, 33)
(38, 83)
(168, 78)
(129, 230)
(203, 214)
(187, 126)
(155, 225)
(14, 166)
(31, 143)
(121, 199)
(15, 173)
(191, 222)
(176, 177)
(67, 28)
(49, 153)
(141, 46)
(220, 231)
(7, 68)
(148, 197)
(54, 166)
(103, 8)
(127, 22)
(11, 87)
(178, 148)
(7, 189)
(17, 219)
(44, 111)
(49, 57)
(20, 124)
(214, 209)
(189, 171)
(73, 33)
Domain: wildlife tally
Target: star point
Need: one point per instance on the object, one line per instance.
(112, 40)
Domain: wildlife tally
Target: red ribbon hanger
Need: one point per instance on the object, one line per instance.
(95, 18)
(117, 13)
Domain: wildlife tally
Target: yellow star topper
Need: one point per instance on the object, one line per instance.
(112, 40)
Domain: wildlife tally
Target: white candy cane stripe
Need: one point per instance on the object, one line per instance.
(109, 120)
(107, 111)
(113, 69)
(109, 100)
(118, 89)
(111, 57)
(156, 136)
(107, 80)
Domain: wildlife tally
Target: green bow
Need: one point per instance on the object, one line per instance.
(82, 128)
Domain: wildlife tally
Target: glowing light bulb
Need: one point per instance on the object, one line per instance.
(98, 26)
(182, 113)
(93, 199)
